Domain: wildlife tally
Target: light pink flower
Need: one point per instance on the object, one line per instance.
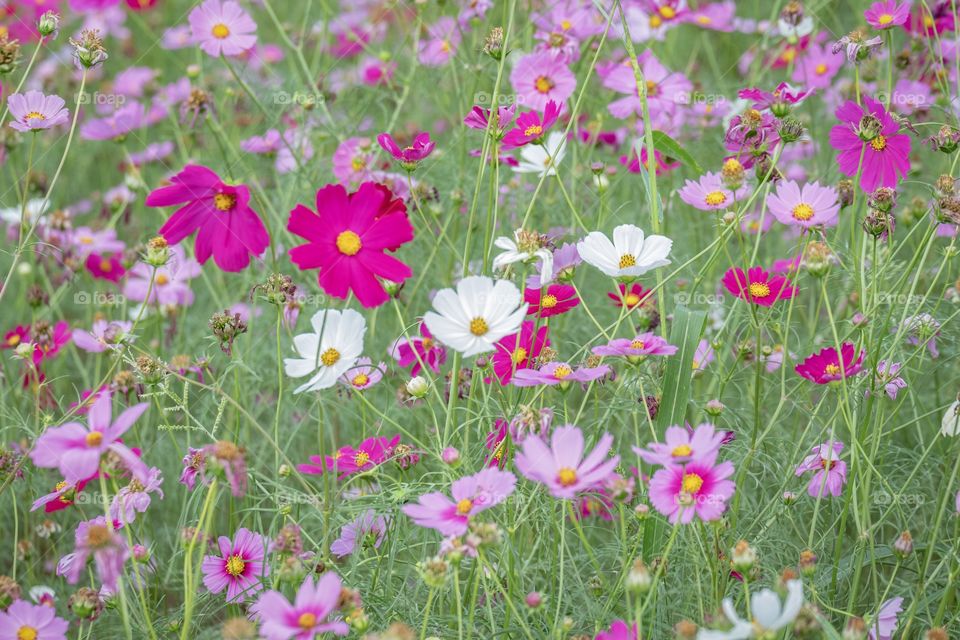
(471, 495)
(562, 467)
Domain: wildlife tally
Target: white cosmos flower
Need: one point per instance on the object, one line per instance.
(543, 159)
(950, 425)
(525, 246)
(329, 350)
(629, 255)
(768, 614)
(476, 315)
(34, 211)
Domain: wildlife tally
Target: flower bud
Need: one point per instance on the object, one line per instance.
(808, 562)
(49, 25)
(714, 408)
(743, 557)
(158, 252)
(450, 456)
(418, 387)
(86, 604)
(639, 579)
(903, 546)
(534, 600)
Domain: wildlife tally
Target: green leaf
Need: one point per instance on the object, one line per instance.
(687, 329)
(670, 147)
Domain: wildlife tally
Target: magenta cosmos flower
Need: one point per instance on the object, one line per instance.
(239, 567)
(307, 617)
(25, 621)
(226, 226)
(888, 14)
(561, 466)
(34, 111)
(518, 351)
(696, 489)
(872, 132)
(419, 350)
(645, 344)
(542, 77)
(222, 28)
(76, 449)
(471, 495)
(826, 366)
(708, 193)
(551, 300)
(619, 630)
(558, 373)
(681, 445)
(530, 127)
(347, 239)
(758, 286)
(830, 472)
(807, 206)
(410, 156)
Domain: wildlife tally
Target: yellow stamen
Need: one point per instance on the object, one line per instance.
(820, 69)
(802, 212)
(519, 355)
(631, 299)
(306, 621)
(220, 31)
(758, 290)
(361, 458)
(13, 340)
(35, 115)
(885, 19)
(464, 506)
(236, 565)
(548, 301)
(566, 477)
(330, 357)
(26, 633)
(715, 198)
(566, 25)
(681, 451)
(224, 201)
(162, 279)
(879, 143)
(668, 12)
(562, 371)
(636, 344)
(348, 243)
(479, 327)
(94, 438)
(692, 482)
(627, 260)
(360, 380)
(534, 130)
(543, 84)
(832, 369)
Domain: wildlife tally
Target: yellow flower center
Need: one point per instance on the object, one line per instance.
(236, 565)
(636, 344)
(26, 633)
(832, 369)
(358, 164)
(105, 265)
(631, 299)
(627, 260)
(879, 143)
(306, 621)
(360, 380)
(427, 343)
(651, 88)
(543, 84)
(566, 25)
(692, 482)
(224, 201)
(802, 212)
(715, 198)
(534, 130)
(162, 279)
(13, 340)
(885, 19)
(60, 486)
(94, 438)
(668, 12)
(35, 115)
(361, 458)
(330, 357)
(758, 290)
(479, 327)
(519, 355)
(704, 20)
(820, 69)
(98, 535)
(348, 243)
(655, 21)
(464, 506)
(566, 477)
(681, 451)
(562, 371)
(220, 31)
(732, 164)
(928, 20)
(548, 301)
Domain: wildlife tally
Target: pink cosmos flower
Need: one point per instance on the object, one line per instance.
(227, 227)
(541, 77)
(779, 101)
(666, 89)
(240, 566)
(696, 489)
(553, 300)
(85, 241)
(681, 445)
(708, 193)
(368, 530)
(885, 624)
(826, 366)
(440, 45)
(222, 28)
(26, 621)
(48, 340)
(347, 239)
(135, 497)
(129, 117)
(809, 206)
(561, 466)
(108, 268)
(518, 351)
(888, 377)
(103, 335)
(645, 344)
(830, 472)
(347, 460)
(817, 68)
(479, 118)
(99, 539)
(170, 283)
(910, 96)
(631, 298)
(530, 127)
(471, 495)
(353, 161)
(76, 449)
(558, 373)
(758, 286)
(411, 155)
(363, 374)
(34, 111)
(307, 617)
(419, 349)
(887, 14)
(619, 630)
(871, 131)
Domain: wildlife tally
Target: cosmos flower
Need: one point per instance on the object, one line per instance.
(543, 159)
(227, 227)
(767, 614)
(308, 617)
(518, 351)
(805, 207)
(100, 540)
(329, 351)
(479, 118)
(26, 621)
(103, 335)
(666, 89)
(222, 28)
(558, 373)
(108, 268)
(525, 246)
(709, 193)
(872, 132)
(888, 377)
(440, 45)
(681, 445)
(817, 67)
(629, 255)
(826, 366)
(368, 529)
(562, 467)
(542, 77)
(530, 127)
(830, 472)
(418, 349)
(757, 286)
(552, 300)
(239, 568)
(170, 283)
(887, 14)
(631, 297)
(884, 625)
(34, 111)
(135, 497)
(347, 460)
(698, 488)
(619, 630)
(348, 238)
(363, 374)
(474, 317)
(471, 495)
(408, 157)
(645, 344)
